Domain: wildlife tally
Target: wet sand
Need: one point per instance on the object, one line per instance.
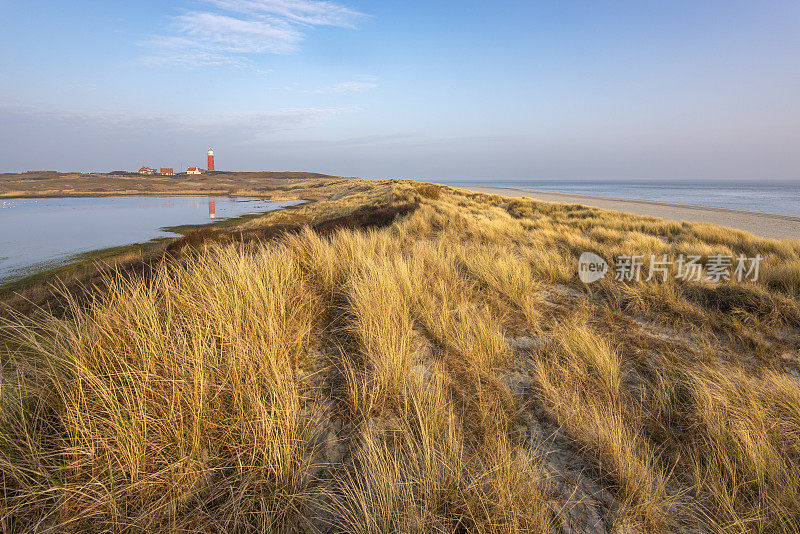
(763, 224)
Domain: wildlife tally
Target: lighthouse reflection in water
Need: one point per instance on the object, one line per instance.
(212, 208)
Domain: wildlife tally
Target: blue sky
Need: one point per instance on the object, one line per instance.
(418, 89)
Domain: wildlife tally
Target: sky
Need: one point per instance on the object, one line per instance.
(431, 90)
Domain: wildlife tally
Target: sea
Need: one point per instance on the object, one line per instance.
(782, 197)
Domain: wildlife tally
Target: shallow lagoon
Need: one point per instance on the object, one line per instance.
(41, 233)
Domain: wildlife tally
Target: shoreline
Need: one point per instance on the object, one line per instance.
(131, 193)
(771, 225)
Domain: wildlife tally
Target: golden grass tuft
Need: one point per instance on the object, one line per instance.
(430, 191)
(579, 379)
(168, 399)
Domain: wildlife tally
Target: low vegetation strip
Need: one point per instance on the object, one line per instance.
(404, 357)
(49, 184)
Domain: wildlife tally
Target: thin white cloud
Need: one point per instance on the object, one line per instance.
(248, 126)
(240, 29)
(170, 50)
(309, 12)
(354, 86)
(226, 34)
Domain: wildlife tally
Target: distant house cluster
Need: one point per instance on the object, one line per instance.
(165, 171)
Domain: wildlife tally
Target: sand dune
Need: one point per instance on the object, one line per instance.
(771, 225)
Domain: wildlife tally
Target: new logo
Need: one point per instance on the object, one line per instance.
(591, 267)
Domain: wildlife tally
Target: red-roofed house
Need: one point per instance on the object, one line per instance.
(167, 172)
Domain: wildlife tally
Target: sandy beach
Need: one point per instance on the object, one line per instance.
(771, 225)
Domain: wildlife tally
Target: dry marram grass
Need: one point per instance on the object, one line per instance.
(446, 372)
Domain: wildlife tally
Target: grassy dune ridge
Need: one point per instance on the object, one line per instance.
(439, 369)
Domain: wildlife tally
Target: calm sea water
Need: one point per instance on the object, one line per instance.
(769, 197)
(36, 234)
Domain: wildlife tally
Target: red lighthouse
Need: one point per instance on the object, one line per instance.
(210, 159)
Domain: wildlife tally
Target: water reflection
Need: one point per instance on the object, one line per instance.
(41, 233)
